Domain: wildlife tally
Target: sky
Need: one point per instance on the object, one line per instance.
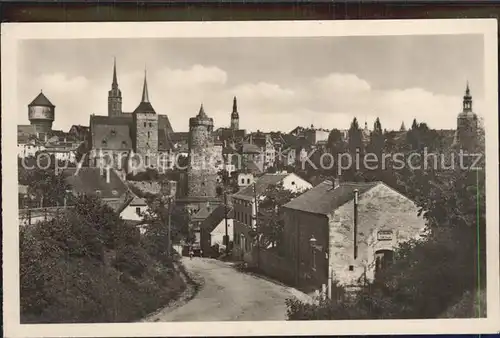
(280, 83)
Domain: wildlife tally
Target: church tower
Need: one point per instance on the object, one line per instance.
(235, 117)
(467, 124)
(201, 172)
(114, 96)
(145, 129)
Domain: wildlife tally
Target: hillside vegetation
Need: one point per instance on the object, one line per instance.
(88, 265)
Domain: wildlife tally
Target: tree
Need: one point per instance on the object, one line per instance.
(373, 170)
(271, 222)
(46, 186)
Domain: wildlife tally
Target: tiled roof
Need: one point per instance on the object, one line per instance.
(324, 198)
(144, 107)
(261, 185)
(215, 217)
(138, 201)
(253, 167)
(164, 123)
(111, 136)
(41, 100)
(90, 180)
(203, 213)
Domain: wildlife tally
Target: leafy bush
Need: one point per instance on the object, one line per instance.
(88, 266)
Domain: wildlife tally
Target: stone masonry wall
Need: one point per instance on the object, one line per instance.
(380, 208)
(146, 138)
(202, 174)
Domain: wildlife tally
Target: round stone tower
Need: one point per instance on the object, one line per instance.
(41, 113)
(201, 172)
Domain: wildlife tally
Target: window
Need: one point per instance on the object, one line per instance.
(248, 181)
(124, 144)
(149, 134)
(150, 124)
(144, 124)
(146, 160)
(293, 182)
(104, 143)
(138, 211)
(113, 132)
(242, 181)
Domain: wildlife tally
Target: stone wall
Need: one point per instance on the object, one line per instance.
(146, 138)
(202, 173)
(274, 266)
(380, 208)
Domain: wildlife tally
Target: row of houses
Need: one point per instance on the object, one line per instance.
(342, 232)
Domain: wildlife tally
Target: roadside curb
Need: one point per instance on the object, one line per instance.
(193, 286)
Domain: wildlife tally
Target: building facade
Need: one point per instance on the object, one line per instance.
(245, 204)
(348, 231)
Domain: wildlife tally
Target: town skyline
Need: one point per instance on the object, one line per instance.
(272, 96)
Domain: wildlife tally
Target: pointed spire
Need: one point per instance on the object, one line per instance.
(201, 113)
(235, 105)
(403, 127)
(467, 89)
(115, 81)
(145, 95)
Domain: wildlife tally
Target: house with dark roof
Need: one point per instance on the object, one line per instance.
(347, 231)
(213, 229)
(105, 184)
(245, 204)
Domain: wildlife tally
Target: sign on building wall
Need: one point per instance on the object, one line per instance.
(384, 235)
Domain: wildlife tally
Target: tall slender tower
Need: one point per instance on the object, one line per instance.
(146, 129)
(235, 117)
(467, 124)
(201, 173)
(114, 96)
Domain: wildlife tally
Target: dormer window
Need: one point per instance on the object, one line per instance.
(124, 144)
(114, 192)
(113, 132)
(98, 192)
(104, 143)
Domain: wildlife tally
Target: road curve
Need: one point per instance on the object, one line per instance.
(229, 295)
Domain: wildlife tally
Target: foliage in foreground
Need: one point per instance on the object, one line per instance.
(428, 278)
(90, 266)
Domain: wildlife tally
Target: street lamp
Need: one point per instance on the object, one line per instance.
(313, 242)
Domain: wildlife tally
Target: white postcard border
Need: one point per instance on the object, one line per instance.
(12, 33)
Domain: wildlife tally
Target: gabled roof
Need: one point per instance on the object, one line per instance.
(144, 107)
(90, 181)
(324, 198)
(215, 217)
(164, 123)
(137, 201)
(261, 185)
(41, 100)
(203, 213)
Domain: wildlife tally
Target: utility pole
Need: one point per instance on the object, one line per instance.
(226, 237)
(169, 222)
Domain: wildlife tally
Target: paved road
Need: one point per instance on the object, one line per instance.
(229, 295)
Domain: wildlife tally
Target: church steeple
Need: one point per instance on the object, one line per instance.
(114, 95)
(235, 117)
(115, 81)
(467, 103)
(145, 94)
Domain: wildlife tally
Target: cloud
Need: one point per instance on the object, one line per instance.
(60, 82)
(195, 76)
(331, 101)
